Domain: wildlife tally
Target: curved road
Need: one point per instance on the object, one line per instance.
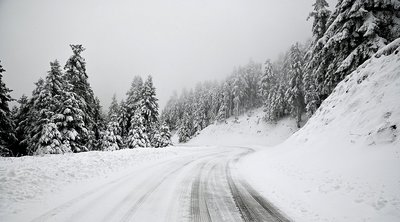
(199, 187)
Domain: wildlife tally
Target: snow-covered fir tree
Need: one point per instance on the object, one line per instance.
(223, 112)
(320, 16)
(70, 121)
(7, 133)
(238, 94)
(21, 119)
(267, 84)
(98, 125)
(184, 131)
(131, 105)
(355, 31)
(75, 74)
(170, 114)
(111, 137)
(295, 91)
(45, 135)
(162, 137)
(123, 119)
(137, 136)
(149, 106)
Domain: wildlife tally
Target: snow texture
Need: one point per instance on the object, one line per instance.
(41, 180)
(249, 130)
(343, 165)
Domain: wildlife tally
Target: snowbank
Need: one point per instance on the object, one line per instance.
(249, 129)
(31, 179)
(344, 164)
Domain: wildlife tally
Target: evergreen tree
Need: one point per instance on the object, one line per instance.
(75, 74)
(267, 85)
(97, 127)
(295, 92)
(137, 136)
(237, 94)
(21, 120)
(31, 119)
(162, 137)
(47, 139)
(311, 98)
(149, 106)
(320, 16)
(171, 111)
(123, 119)
(184, 132)
(111, 139)
(70, 122)
(132, 103)
(224, 108)
(356, 30)
(7, 134)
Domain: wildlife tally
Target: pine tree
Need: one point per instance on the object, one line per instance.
(70, 122)
(171, 111)
(123, 119)
(162, 137)
(7, 134)
(137, 136)
(98, 126)
(75, 74)
(224, 107)
(320, 16)
(356, 30)
(311, 98)
(31, 119)
(268, 89)
(21, 120)
(184, 131)
(132, 103)
(295, 92)
(237, 94)
(149, 106)
(48, 139)
(111, 138)
(43, 110)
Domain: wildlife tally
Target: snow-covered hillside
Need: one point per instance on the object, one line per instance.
(249, 129)
(344, 164)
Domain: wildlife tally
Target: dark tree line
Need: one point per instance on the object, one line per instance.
(299, 81)
(63, 115)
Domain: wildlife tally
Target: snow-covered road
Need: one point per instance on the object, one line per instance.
(196, 186)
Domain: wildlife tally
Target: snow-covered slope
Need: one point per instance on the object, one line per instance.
(344, 164)
(249, 129)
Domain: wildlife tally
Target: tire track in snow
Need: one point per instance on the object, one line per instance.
(100, 191)
(129, 215)
(252, 206)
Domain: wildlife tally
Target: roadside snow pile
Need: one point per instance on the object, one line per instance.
(344, 164)
(32, 178)
(249, 129)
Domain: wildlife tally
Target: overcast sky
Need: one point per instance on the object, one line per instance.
(178, 42)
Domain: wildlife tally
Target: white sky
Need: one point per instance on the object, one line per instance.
(178, 42)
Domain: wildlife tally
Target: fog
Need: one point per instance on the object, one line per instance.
(178, 42)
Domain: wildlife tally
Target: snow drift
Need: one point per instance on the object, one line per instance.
(249, 129)
(344, 164)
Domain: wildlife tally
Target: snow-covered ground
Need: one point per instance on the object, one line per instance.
(249, 130)
(344, 164)
(49, 180)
